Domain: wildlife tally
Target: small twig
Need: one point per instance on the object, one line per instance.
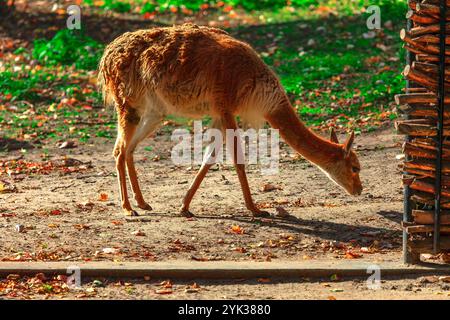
(62, 187)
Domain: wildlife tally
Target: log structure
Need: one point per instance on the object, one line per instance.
(425, 107)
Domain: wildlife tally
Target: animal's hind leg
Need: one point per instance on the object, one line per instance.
(126, 130)
(146, 126)
(207, 163)
(210, 158)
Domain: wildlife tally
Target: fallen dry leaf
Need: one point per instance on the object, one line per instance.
(237, 229)
(352, 255)
(67, 145)
(167, 284)
(103, 197)
(7, 215)
(110, 250)
(55, 212)
(80, 227)
(195, 286)
(164, 291)
(138, 233)
(240, 249)
(281, 212)
(269, 187)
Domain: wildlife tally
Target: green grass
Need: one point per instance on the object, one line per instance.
(150, 6)
(68, 47)
(340, 79)
(334, 76)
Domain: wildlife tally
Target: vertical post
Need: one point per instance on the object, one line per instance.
(440, 126)
(407, 257)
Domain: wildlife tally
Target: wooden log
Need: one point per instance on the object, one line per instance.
(422, 174)
(431, 142)
(425, 229)
(418, 173)
(416, 51)
(425, 165)
(414, 151)
(415, 90)
(431, 29)
(425, 121)
(423, 110)
(427, 80)
(418, 98)
(418, 149)
(429, 38)
(427, 217)
(426, 245)
(420, 77)
(420, 18)
(426, 57)
(426, 186)
(428, 199)
(431, 69)
(424, 144)
(429, 9)
(435, 2)
(421, 47)
(412, 4)
(418, 129)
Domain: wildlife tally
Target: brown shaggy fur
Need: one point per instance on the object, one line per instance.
(195, 71)
(186, 64)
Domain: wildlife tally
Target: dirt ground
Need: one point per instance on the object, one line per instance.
(423, 288)
(72, 212)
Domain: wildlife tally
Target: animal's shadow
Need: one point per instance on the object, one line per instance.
(326, 230)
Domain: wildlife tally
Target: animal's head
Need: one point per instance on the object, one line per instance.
(344, 170)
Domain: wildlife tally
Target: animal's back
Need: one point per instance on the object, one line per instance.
(189, 68)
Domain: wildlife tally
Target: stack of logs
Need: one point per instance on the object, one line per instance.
(420, 106)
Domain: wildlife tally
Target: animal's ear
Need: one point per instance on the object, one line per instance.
(333, 136)
(348, 143)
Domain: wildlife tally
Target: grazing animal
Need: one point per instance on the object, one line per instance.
(194, 71)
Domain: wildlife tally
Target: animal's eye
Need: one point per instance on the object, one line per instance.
(355, 169)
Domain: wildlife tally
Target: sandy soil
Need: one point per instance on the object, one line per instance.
(428, 287)
(73, 213)
(296, 289)
(63, 216)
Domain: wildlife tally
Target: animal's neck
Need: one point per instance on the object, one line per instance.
(311, 146)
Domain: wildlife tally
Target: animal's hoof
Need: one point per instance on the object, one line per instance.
(261, 214)
(186, 213)
(131, 213)
(145, 206)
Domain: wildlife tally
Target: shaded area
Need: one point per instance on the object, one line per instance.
(394, 216)
(30, 25)
(7, 144)
(328, 230)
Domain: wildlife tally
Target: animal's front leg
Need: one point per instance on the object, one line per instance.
(234, 140)
(209, 160)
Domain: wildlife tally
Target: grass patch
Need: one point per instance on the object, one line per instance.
(334, 71)
(68, 47)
